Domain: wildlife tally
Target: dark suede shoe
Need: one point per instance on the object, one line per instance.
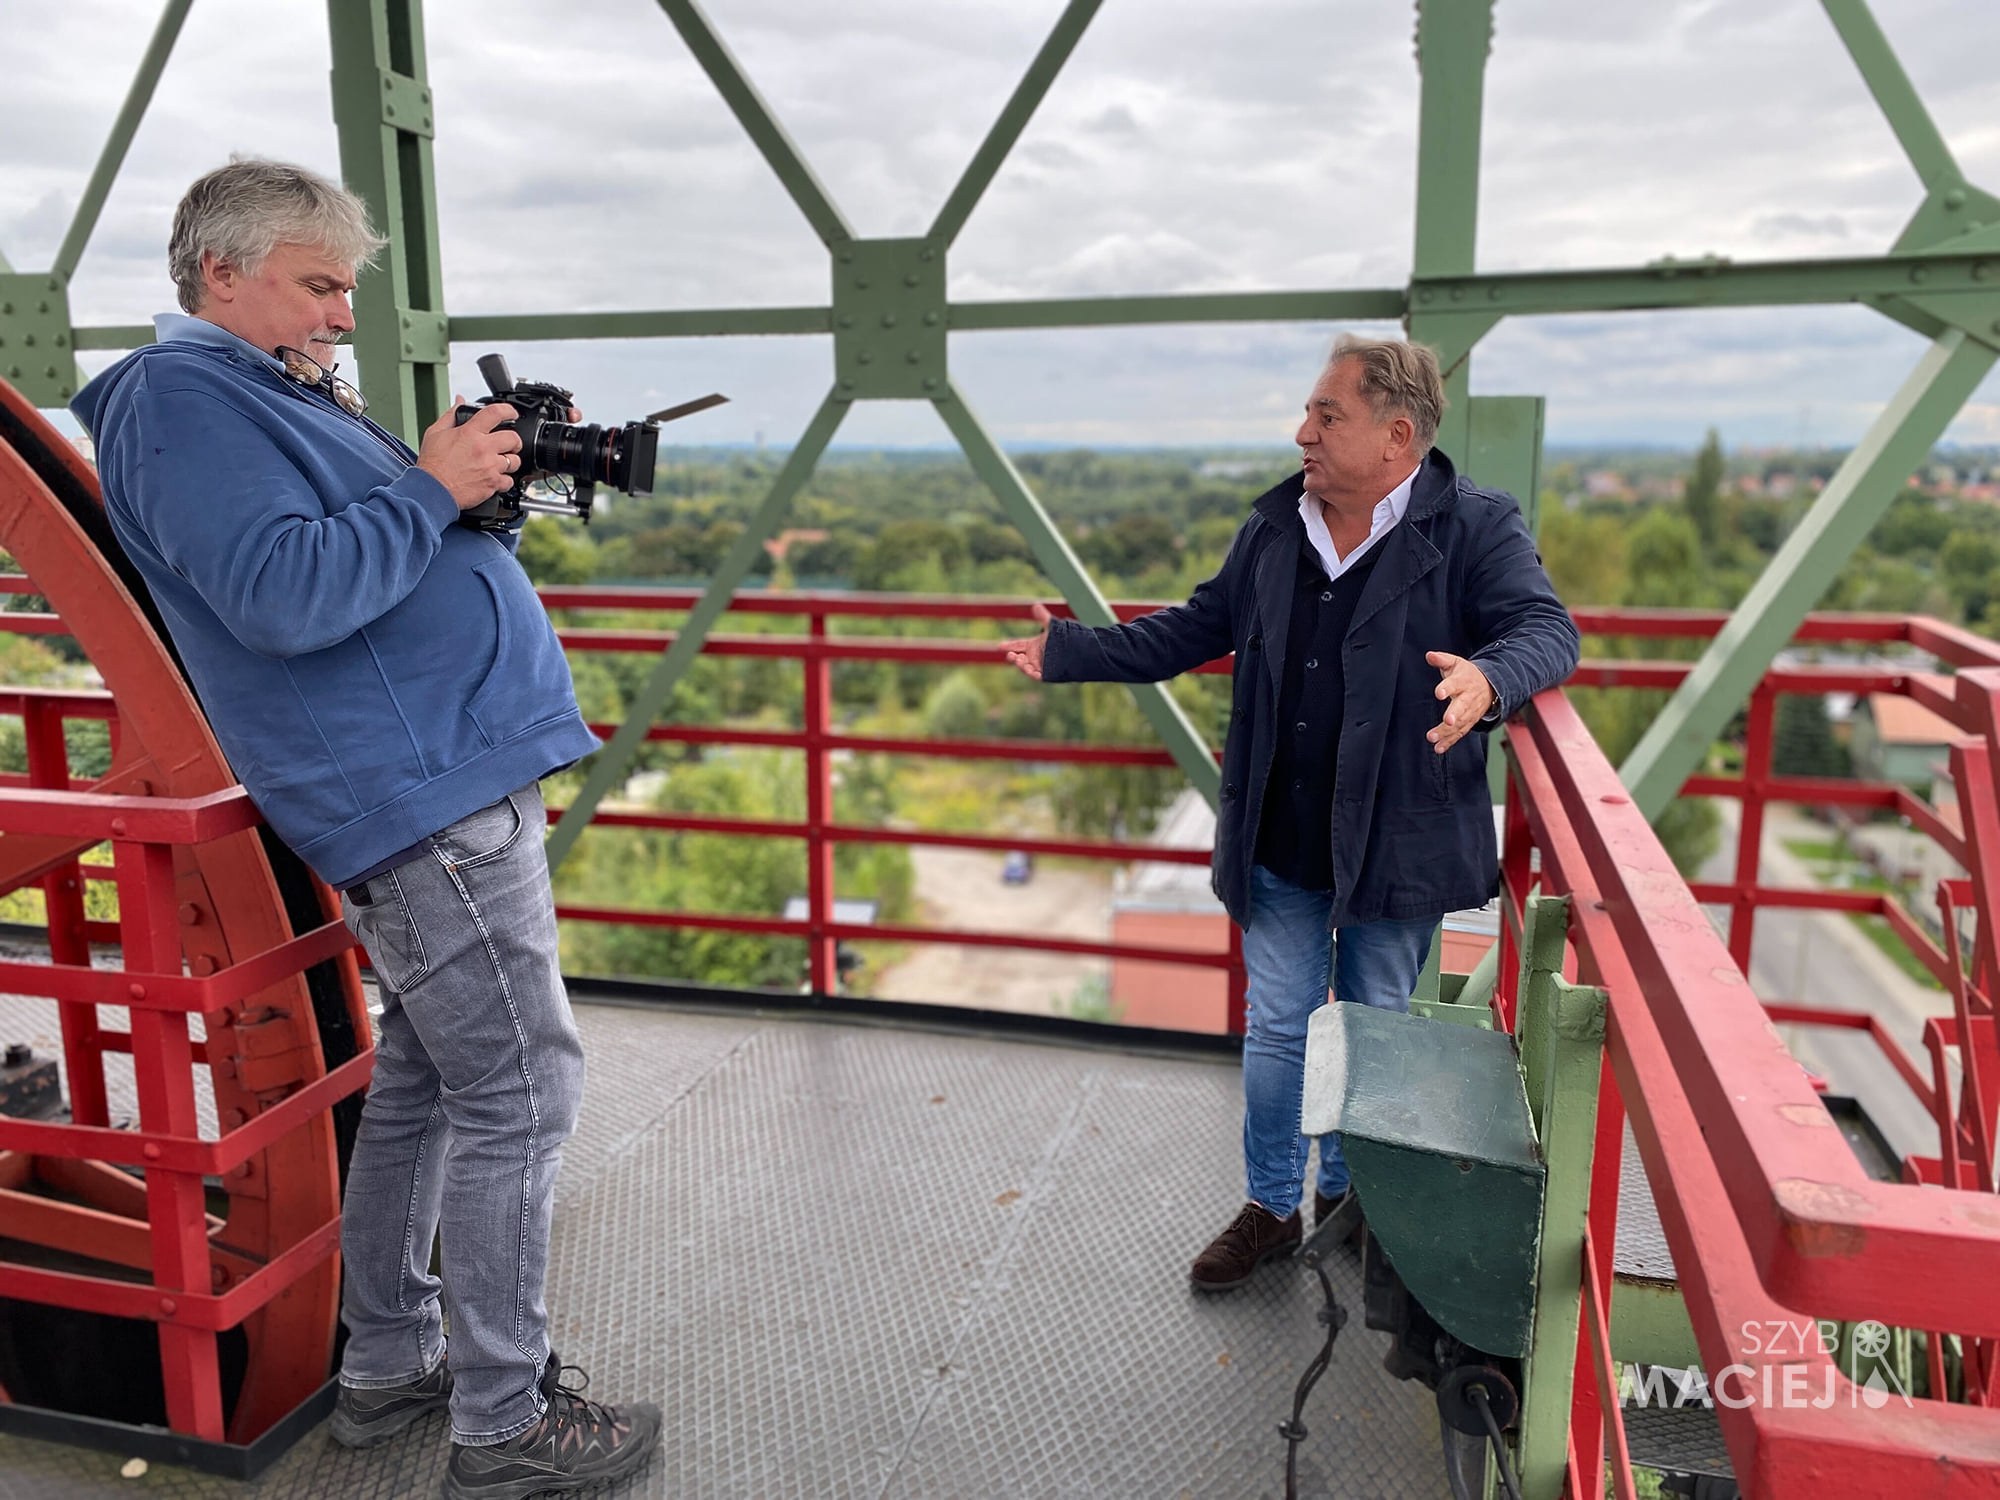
(1325, 1208)
(576, 1443)
(1253, 1237)
(364, 1418)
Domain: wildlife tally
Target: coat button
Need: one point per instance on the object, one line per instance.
(1237, 714)
(1311, 662)
(1300, 726)
(1326, 597)
(1256, 641)
(1228, 793)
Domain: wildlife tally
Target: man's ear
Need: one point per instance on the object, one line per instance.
(219, 277)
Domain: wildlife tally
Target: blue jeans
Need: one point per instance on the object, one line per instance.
(478, 1075)
(1288, 955)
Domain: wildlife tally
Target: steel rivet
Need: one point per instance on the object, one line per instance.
(150, 1151)
(136, 991)
(1955, 199)
(846, 322)
(927, 253)
(409, 348)
(62, 341)
(931, 320)
(117, 825)
(1424, 294)
(930, 382)
(913, 279)
(913, 357)
(1614, 799)
(169, 1306)
(861, 283)
(888, 320)
(49, 371)
(41, 307)
(1458, 294)
(866, 356)
(389, 111)
(13, 372)
(27, 341)
(1920, 273)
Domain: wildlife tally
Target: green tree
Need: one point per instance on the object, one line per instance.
(553, 551)
(1702, 494)
(1802, 742)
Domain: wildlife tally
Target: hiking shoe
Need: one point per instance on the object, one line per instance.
(1348, 1202)
(364, 1418)
(576, 1443)
(1253, 1237)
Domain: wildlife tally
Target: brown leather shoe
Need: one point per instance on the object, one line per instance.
(1325, 1208)
(1253, 1237)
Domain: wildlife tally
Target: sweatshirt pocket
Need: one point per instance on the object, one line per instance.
(528, 682)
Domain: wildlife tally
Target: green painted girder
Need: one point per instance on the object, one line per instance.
(1435, 1128)
(1898, 441)
(383, 116)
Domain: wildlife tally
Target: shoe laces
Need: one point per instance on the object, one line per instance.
(569, 1406)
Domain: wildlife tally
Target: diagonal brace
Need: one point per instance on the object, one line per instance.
(1062, 568)
(608, 766)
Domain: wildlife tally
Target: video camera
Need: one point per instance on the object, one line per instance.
(564, 461)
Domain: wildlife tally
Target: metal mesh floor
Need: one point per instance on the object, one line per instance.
(864, 1260)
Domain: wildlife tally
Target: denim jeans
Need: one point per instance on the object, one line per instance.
(478, 1075)
(1288, 955)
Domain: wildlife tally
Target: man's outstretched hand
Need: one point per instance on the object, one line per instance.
(1470, 695)
(1027, 654)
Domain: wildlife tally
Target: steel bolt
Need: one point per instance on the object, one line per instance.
(150, 1151)
(218, 1278)
(190, 914)
(1955, 199)
(204, 965)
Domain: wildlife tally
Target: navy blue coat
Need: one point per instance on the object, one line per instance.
(1412, 830)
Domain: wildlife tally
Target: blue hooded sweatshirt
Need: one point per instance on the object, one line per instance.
(373, 670)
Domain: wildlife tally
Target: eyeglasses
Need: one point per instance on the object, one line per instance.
(308, 371)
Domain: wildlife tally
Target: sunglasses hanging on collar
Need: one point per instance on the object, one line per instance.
(308, 371)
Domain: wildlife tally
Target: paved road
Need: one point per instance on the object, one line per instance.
(962, 888)
(1822, 958)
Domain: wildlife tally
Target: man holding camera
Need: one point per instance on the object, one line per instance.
(1359, 595)
(389, 689)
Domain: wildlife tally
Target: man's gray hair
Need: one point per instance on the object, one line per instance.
(1397, 378)
(242, 212)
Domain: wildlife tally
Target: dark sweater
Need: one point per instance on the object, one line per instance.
(1295, 837)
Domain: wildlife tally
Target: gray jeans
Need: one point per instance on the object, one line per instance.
(478, 1075)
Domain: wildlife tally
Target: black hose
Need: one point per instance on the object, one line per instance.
(1331, 1317)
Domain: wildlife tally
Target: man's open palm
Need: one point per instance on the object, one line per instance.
(1027, 653)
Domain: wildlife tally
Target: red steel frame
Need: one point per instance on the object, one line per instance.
(1770, 1217)
(819, 739)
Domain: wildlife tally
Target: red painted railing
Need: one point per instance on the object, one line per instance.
(1768, 1215)
(1771, 1219)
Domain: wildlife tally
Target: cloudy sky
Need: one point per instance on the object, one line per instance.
(585, 163)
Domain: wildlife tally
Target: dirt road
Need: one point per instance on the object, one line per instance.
(961, 888)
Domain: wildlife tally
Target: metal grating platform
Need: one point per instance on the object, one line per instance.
(863, 1260)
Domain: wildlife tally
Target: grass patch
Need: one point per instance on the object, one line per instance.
(1883, 936)
(1819, 851)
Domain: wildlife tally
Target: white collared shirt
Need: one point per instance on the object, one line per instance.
(1388, 511)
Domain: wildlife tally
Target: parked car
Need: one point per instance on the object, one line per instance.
(1018, 868)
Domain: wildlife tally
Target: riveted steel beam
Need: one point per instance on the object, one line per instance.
(1868, 479)
(384, 119)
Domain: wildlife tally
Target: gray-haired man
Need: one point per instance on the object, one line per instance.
(1384, 612)
(389, 689)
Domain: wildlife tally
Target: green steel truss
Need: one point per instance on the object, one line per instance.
(889, 314)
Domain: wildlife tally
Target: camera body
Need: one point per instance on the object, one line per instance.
(567, 459)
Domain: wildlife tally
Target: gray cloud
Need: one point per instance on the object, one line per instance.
(584, 162)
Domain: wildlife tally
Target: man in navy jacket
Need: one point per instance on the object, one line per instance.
(1385, 614)
(389, 690)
